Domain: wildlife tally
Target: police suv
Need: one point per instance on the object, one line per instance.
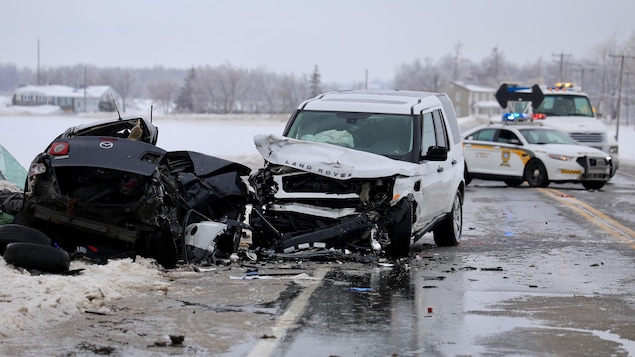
(564, 107)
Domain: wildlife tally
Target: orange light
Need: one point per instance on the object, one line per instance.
(396, 197)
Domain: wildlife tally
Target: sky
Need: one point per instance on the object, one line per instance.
(347, 39)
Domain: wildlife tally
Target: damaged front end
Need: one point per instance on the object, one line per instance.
(315, 202)
(129, 195)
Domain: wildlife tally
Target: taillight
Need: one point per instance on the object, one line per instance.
(539, 116)
(59, 148)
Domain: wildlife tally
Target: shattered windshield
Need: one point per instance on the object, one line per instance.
(546, 136)
(383, 134)
(565, 105)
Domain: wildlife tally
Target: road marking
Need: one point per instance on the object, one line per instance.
(289, 318)
(604, 222)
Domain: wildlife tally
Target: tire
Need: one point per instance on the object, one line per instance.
(11, 233)
(448, 232)
(38, 257)
(536, 174)
(400, 233)
(593, 185)
(513, 182)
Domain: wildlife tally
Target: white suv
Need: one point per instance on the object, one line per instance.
(364, 170)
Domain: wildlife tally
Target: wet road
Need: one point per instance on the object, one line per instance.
(540, 272)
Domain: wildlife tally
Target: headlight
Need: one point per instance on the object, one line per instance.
(613, 150)
(562, 157)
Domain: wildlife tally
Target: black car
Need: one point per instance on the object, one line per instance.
(108, 185)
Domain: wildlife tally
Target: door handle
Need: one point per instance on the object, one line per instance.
(454, 162)
(440, 169)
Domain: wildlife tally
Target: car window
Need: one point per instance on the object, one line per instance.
(434, 132)
(507, 136)
(377, 133)
(565, 105)
(482, 135)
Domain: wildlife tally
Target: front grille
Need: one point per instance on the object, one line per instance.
(587, 137)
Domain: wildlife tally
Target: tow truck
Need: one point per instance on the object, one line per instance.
(563, 106)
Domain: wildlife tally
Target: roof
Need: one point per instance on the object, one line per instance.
(54, 90)
(475, 87)
(379, 101)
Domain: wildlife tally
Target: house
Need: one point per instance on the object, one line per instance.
(89, 99)
(474, 100)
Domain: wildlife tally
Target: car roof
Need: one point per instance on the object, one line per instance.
(378, 101)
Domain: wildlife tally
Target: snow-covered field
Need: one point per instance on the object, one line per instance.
(28, 302)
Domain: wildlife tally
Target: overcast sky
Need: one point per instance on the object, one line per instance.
(343, 37)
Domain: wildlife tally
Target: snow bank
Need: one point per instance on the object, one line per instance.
(32, 302)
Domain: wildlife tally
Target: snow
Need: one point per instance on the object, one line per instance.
(34, 302)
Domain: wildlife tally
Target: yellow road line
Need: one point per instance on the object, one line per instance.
(604, 222)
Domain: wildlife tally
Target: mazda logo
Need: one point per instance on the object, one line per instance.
(106, 144)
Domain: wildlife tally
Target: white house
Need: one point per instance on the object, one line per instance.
(474, 100)
(89, 99)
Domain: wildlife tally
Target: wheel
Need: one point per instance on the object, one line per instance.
(448, 232)
(400, 233)
(37, 256)
(593, 185)
(536, 174)
(513, 182)
(10, 233)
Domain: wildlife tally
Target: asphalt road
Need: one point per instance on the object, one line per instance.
(539, 272)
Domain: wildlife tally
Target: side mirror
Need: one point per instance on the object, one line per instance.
(436, 153)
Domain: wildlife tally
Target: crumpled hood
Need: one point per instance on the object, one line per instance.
(329, 160)
(572, 150)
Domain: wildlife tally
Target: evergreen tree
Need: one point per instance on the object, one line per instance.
(185, 100)
(316, 82)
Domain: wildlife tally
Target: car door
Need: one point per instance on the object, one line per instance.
(507, 154)
(435, 185)
(479, 150)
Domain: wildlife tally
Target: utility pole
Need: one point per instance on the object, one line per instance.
(619, 94)
(84, 88)
(561, 55)
(582, 69)
(627, 99)
(38, 61)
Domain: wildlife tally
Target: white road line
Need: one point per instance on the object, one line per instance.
(289, 318)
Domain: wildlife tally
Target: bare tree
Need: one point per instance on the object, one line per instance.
(164, 91)
(122, 81)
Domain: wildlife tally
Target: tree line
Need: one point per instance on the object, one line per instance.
(229, 89)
